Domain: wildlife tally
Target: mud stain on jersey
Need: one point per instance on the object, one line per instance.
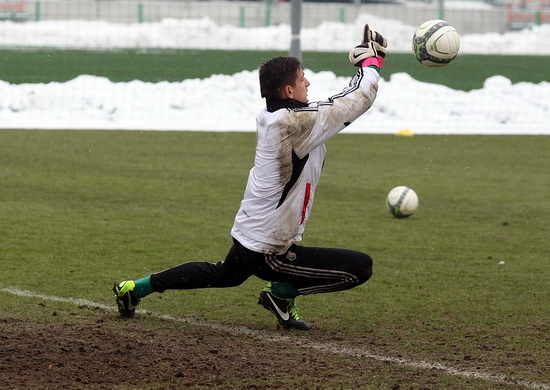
(295, 128)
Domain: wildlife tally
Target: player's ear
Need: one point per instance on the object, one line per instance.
(287, 92)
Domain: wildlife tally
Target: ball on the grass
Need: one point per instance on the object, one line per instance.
(435, 43)
(402, 201)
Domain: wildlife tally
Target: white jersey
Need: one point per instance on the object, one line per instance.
(290, 154)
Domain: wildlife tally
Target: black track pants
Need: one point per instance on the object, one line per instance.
(311, 270)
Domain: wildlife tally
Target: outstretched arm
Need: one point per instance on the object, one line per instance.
(322, 120)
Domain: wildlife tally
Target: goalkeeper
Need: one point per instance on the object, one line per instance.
(290, 153)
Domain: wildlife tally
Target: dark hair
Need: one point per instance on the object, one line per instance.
(276, 73)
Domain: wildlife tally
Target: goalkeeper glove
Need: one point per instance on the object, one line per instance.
(371, 52)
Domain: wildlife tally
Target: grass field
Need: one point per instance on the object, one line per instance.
(41, 66)
(462, 284)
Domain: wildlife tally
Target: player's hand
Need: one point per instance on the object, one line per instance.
(373, 48)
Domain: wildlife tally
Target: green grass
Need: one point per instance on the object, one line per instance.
(41, 66)
(467, 275)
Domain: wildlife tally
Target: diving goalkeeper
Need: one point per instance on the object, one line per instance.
(290, 154)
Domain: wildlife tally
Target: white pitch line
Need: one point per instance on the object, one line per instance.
(275, 337)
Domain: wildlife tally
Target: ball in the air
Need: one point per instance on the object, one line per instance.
(402, 201)
(435, 43)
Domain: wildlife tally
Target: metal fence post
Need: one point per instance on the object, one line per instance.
(268, 6)
(295, 26)
(140, 13)
(37, 12)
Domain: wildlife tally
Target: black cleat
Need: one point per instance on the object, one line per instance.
(284, 309)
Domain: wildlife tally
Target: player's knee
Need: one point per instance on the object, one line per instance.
(365, 268)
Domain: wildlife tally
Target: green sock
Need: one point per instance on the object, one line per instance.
(284, 290)
(143, 287)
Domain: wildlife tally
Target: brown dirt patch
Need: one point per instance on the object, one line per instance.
(102, 351)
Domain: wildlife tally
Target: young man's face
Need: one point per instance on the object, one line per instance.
(299, 90)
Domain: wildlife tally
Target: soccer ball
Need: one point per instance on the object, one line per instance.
(402, 201)
(435, 43)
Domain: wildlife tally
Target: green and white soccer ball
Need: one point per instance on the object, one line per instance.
(402, 201)
(435, 43)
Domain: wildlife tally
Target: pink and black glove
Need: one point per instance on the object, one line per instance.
(371, 52)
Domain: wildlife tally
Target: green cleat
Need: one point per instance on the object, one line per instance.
(125, 298)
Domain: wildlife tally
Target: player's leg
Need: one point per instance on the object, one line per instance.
(308, 270)
(313, 270)
(192, 275)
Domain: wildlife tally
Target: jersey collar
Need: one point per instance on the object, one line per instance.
(274, 104)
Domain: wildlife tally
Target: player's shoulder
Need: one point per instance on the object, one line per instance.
(312, 106)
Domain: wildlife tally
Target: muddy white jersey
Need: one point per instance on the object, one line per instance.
(290, 154)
